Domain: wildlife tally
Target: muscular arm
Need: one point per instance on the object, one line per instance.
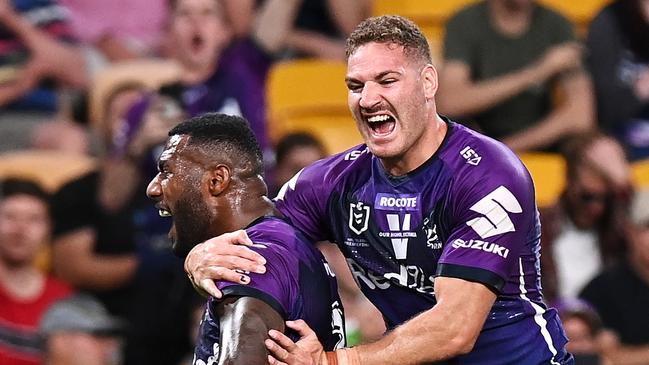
(449, 329)
(245, 322)
(574, 114)
(75, 262)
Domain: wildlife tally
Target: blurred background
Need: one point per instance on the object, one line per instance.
(89, 89)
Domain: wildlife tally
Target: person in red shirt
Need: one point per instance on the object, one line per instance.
(25, 291)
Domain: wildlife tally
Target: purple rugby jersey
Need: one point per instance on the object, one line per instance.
(298, 284)
(468, 212)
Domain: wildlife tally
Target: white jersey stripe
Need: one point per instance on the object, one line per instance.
(538, 317)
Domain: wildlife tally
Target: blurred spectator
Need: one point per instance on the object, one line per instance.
(584, 329)
(37, 45)
(305, 28)
(583, 232)
(119, 250)
(25, 292)
(219, 73)
(618, 58)
(38, 58)
(621, 294)
(504, 62)
(60, 135)
(79, 331)
(110, 33)
(293, 152)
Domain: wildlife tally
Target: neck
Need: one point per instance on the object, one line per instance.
(421, 151)
(21, 281)
(509, 18)
(243, 206)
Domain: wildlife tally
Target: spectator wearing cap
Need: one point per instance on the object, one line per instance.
(621, 293)
(80, 331)
(25, 291)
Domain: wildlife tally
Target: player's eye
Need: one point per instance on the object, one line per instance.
(354, 87)
(387, 81)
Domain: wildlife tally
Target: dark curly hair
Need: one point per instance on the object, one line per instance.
(390, 29)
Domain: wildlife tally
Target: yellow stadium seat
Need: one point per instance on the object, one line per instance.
(310, 96)
(640, 170)
(51, 170)
(150, 73)
(580, 12)
(429, 15)
(548, 171)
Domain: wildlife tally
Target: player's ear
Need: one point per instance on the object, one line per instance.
(218, 179)
(429, 77)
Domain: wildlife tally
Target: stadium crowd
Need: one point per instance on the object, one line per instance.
(85, 261)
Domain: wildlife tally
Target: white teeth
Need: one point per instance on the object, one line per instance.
(164, 213)
(378, 118)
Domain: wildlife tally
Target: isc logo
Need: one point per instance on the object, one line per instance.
(471, 156)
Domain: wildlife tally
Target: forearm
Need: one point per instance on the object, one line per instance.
(274, 23)
(468, 98)
(629, 355)
(64, 62)
(240, 14)
(315, 44)
(118, 182)
(430, 336)
(347, 14)
(75, 262)
(574, 115)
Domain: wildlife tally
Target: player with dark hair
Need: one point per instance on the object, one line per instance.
(438, 223)
(210, 182)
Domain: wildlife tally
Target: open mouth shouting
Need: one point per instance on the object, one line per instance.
(163, 211)
(381, 124)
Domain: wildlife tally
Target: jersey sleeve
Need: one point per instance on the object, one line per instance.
(278, 287)
(493, 214)
(303, 201)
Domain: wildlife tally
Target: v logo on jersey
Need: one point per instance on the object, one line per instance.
(400, 245)
(495, 207)
(359, 217)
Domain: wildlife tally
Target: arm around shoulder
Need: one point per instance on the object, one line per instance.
(449, 329)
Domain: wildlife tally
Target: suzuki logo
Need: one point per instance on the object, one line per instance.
(359, 217)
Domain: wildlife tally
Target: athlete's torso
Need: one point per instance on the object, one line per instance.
(298, 284)
(468, 212)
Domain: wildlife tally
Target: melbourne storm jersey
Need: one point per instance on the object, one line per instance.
(298, 284)
(468, 212)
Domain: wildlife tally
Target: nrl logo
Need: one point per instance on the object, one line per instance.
(359, 217)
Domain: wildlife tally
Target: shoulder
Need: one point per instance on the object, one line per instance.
(470, 14)
(56, 289)
(606, 19)
(550, 16)
(473, 158)
(325, 174)
(485, 170)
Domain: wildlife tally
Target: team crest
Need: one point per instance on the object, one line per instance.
(359, 217)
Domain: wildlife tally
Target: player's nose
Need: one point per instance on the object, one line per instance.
(154, 191)
(370, 95)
